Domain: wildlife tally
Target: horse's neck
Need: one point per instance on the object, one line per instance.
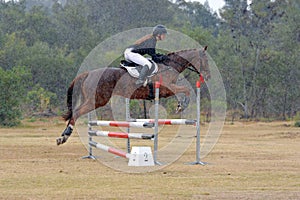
(181, 60)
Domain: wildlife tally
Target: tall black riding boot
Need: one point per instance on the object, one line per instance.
(143, 75)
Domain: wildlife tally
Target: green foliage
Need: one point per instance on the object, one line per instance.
(38, 27)
(40, 100)
(12, 50)
(50, 68)
(136, 109)
(13, 85)
(297, 120)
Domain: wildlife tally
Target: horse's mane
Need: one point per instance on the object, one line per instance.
(181, 51)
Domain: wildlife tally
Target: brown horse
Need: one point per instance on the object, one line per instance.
(93, 89)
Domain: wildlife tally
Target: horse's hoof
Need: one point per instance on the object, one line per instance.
(179, 108)
(183, 104)
(59, 141)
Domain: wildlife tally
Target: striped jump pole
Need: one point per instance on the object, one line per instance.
(121, 135)
(169, 121)
(109, 149)
(127, 135)
(122, 124)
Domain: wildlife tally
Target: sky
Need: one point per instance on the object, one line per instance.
(214, 4)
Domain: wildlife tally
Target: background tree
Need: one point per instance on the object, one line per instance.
(252, 29)
(13, 85)
(40, 100)
(284, 60)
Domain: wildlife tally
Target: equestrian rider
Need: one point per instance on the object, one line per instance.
(146, 45)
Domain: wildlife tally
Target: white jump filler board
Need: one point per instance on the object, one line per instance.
(141, 156)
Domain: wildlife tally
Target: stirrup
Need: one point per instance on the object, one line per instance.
(139, 82)
(145, 82)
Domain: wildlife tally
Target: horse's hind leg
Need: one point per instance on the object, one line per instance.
(66, 133)
(86, 107)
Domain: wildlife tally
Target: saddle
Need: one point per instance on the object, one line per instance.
(134, 69)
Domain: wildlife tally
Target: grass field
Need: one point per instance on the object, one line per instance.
(250, 161)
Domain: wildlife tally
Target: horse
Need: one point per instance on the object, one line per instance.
(93, 89)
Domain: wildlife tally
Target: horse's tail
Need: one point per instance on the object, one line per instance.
(78, 81)
(69, 113)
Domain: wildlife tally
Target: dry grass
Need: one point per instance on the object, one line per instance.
(250, 161)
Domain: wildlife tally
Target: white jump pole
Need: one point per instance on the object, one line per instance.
(198, 159)
(127, 113)
(90, 156)
(157, 86)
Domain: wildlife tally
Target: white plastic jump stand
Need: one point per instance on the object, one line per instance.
(141, 156)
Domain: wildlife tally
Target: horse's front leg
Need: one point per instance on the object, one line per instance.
(184, 102)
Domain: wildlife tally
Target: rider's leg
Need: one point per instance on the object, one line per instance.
(143, 74)
(141, 60)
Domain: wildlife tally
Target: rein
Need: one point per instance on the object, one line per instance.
(193, 70)
(174, 61)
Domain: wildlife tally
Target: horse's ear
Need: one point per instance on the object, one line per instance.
(205, 48)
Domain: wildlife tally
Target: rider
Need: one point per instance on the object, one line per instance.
(146, 45)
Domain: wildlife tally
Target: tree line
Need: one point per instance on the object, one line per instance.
(256, 48)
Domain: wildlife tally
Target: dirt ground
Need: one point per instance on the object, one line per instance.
(250, 161)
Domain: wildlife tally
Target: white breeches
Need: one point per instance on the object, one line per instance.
(136, 58)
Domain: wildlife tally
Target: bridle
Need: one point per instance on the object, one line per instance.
(180, 64)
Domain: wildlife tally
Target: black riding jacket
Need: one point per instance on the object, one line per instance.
(147, 47)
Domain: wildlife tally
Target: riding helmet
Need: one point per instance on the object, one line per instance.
(159, 30)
